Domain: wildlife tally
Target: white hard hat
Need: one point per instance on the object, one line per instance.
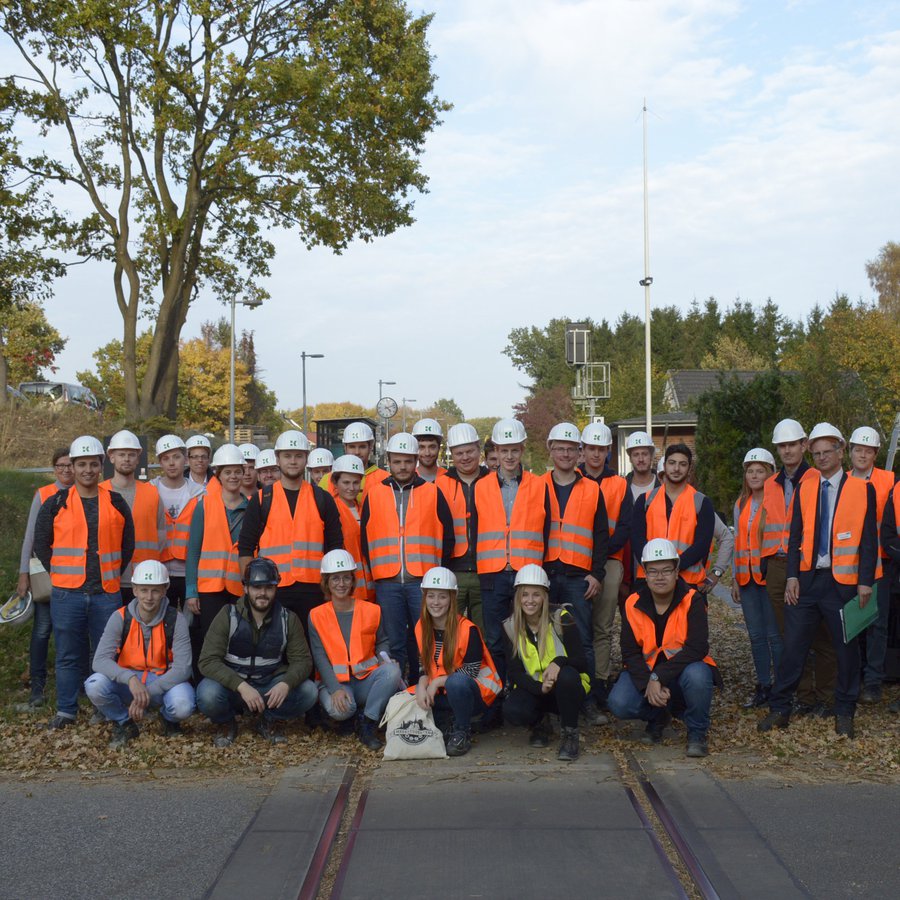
(320, 457)
(787, 431)
(638, 439)
(596, 435)
(533, 575)
(358, 433)
(460, 434)
(291, 440)
(266, 459)
(428, 428)
(335, 561)
(349, 465)
(124, 440)
(439, 579)
(759, 455)
(197, 440)
(864, 436)
(826, 430)
(168, 442)
(402, 443)
(227, 455)
(658, 550)
(249, 452)
(508, 431)
(150, 571)
(564, 431)
(86, 446)
(17, 610)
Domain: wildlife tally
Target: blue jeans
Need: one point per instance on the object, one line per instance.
(371, 693)
(569, 589)
(113, 699)
(877, 637)
(221, 705)
(497, 591)
(691, 699)
(762, 627)
(463, 698)
(401, 605)
(41, 628)
(78, 620)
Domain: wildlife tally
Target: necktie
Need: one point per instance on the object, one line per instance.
(824, 530)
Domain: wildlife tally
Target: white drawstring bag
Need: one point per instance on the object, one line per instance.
(410, 732)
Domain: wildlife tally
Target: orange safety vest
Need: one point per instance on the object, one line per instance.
(674, 634)
(488, 681)
(679, 528)
(360, 661)
(571, 539)
(68, 563)
(846, 527)
(178, 531)
(521, 541)
(47, 491)
(421, 533)
(213, 486)
(372, 476)
(613, 488)
(295, 545)
(364, 588)
(777, 529)
(218, 568)
(746, 545)
(883, 482)
(145, 515)
(456, 500)
(135, 656)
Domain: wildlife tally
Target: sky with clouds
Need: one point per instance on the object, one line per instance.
(774, 172)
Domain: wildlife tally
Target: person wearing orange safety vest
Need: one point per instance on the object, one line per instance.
(405, 529)
(665, 652)
(179, 497)
(459, 678)
(359, 440)
(84, 538)
(349, 648)
(679, 513)
(143, 660)
(347, 473)
(430, 435)
(124, 452)
(832, 554)
(514, 521)
(575, 559)
(865, 443)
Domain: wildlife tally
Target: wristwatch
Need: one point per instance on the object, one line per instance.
(717, 571)
(654, 676)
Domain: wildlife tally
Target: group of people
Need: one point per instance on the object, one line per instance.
(287, 582)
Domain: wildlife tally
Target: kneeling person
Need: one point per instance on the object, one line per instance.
(665, 652)
(143, 659)
(347, 638)
(255, 658)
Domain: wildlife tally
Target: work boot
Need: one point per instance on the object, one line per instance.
(871, 694)
(592, 713)
(773, 720)
(227, 735)
(804, 709)
(60, 721)
(540, 735)
(97, 718)
(697, 747)
(843, 725)
(459, 743)
(760, 697)
(368, 734)
(123, 732)
(171, 729)
(34, 703)
(568, 744)
(894, 707)
(653, 733)
(270, 730)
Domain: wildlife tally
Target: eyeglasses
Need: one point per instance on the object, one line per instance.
(820, 453)
(660, 573)
(63, 466)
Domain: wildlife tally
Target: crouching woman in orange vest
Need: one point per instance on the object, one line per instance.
(469, 683)
(349, 648)
(665, 651)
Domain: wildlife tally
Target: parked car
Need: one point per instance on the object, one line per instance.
(59, 392)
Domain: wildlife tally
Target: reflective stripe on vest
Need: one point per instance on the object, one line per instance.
(360, 659)
(846, 527)
(883, 482)
(295, 544)
(746, 545)
(240, 632)
(218, 568)
(680, 527)
(522, 541)
(136, 657)
(536, 664)
(571, 538)
(68, 562)
(777, 528)
(178, 531)
(674, 634)
(145, 515)
(456, 499)
(613, 488)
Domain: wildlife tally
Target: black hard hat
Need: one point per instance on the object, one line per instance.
(262, 571)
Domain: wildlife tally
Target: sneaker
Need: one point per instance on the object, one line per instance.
(540, 735)
(97, 718)
(568, 744)
(459, 743)
(760, 697)
(227, 735)
(368, 734)
(773, 720)
(592, 714)
(894, 707)
(35, 702)
(270, 730)
(653, 733)
(697, 747)
(843, 725)
(123, 732)
(60, 721)
(871, 693)
(171, 729)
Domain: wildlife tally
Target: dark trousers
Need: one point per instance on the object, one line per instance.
(819, 678)
(300, 599)
(819, 603)
(497, 592)
(524, 708)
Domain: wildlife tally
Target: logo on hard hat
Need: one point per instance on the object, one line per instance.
(507, 434)
(340, 564)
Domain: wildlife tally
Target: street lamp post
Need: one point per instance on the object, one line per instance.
(386, 422)
(404, 401)
(381, 385)
(304, 356)
(252, 303)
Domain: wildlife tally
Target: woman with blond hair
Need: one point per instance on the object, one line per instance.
(749, 585)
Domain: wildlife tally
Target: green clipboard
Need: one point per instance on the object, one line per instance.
(855, 620)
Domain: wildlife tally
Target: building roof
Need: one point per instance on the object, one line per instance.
(673, 417)
(685, 386)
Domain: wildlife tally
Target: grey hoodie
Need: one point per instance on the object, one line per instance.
(108, 649)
